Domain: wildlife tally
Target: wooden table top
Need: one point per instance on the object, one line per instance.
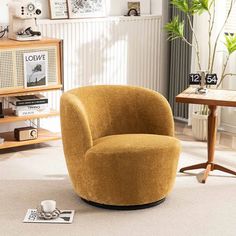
(215, 97)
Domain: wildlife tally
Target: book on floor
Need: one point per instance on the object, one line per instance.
(66, 217)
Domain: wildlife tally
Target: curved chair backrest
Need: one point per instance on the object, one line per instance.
(112, 109)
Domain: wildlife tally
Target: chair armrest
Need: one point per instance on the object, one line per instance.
(76, 134)
(156, 113)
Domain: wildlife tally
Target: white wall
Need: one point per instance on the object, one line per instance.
(228, 117)
(114, 7)
(3, 12)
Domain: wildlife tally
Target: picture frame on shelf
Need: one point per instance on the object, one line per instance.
(35, 69)
(142, 7)
(86, 8)
(134, 6)
(58, 9)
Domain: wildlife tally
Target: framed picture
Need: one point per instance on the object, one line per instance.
(134, 5)
(58, 9)
(86, 8)
(35, 69)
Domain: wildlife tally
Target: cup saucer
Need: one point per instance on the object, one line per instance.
(48, 215)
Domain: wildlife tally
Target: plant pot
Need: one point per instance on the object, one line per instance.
(199, 126)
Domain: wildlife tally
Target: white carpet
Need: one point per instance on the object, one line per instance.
(29, 176)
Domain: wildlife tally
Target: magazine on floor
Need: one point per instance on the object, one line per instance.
(66, 217)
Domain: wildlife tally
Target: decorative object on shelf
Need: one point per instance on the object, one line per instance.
(35, 69)
(134, 8)
(86, 8)
(1, 110)
(58, 9)
(1, 140)
(22, 20)
(25, 133)
(132, 12)
(3, 32)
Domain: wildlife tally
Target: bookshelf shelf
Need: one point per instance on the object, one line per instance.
(17, 92)
(11, 118)
(43, 136)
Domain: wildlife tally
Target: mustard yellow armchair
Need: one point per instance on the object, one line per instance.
(119, 145)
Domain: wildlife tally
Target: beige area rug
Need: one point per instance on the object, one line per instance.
(28, 176)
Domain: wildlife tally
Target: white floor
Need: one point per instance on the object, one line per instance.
(28, 176)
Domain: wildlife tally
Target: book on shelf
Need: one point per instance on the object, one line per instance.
(28, 100)
(37, 107)
(31, 112)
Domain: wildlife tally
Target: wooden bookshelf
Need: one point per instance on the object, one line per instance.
(12, 83)
(43, 136)
(10, 117)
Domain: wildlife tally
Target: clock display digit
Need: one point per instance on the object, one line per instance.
(194, 79)
(211, 79)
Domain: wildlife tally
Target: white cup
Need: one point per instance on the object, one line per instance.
(48, 205)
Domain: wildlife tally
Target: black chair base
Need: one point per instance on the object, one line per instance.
(126, 208)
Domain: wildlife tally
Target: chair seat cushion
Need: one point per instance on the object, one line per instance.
(134, 143)
(131, 169)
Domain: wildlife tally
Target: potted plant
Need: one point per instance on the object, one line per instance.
(175, 29)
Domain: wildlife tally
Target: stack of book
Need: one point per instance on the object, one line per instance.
(29, 105)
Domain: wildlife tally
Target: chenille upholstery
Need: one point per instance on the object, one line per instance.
(118, 144)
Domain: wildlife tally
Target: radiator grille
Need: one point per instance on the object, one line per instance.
(109, 50)
(180, 64)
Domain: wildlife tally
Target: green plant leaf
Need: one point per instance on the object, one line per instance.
(230, 43)
(193, 6)
(200, 6)
(175, 28)
(182, 5)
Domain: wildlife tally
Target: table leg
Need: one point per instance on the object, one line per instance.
(194, 167)
(211, 141)
(221, 168)
(211, 137)
(206, 173)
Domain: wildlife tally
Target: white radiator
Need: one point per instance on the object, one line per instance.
(116, 50)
